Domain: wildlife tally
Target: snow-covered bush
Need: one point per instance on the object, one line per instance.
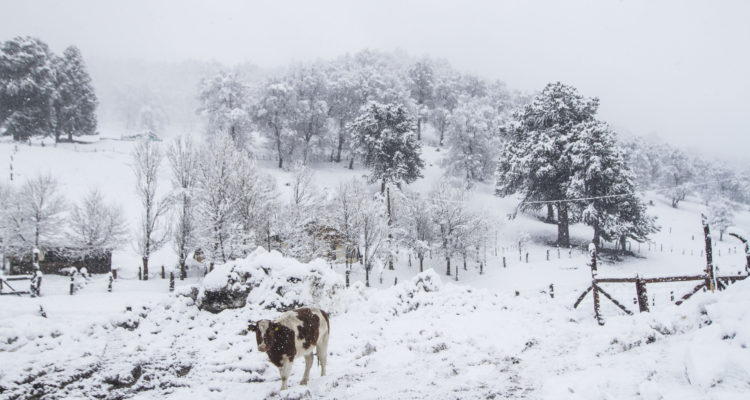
(269, 280)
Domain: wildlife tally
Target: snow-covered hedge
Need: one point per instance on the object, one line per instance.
(269, 280)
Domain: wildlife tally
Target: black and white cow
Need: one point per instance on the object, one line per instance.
(294, 333)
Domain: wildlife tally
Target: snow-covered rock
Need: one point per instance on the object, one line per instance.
(270, 280)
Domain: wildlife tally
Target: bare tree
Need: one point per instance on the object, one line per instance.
(36, 215)
(95, 227)
(373, 231)
(344, 207)
(418, 227)
(451, 219)
(153, 231)
(183, 160)
(216, 204)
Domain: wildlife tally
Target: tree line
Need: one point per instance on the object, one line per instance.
(43, 94)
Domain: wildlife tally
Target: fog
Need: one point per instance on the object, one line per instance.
(676, 69)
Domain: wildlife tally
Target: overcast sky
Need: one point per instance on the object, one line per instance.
(678, 69)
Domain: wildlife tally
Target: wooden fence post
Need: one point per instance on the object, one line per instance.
(552, 290)
(709, 259)
(594, 288)
(504, 265)
(72, 284)
(527, 257)
(642, 295)
(347, 278)
(547, 254)
(747, 249)
(163, 275)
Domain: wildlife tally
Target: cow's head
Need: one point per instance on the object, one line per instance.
(265, 331)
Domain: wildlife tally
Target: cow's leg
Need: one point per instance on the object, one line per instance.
(285, 369)
(323, 353)
(308, 365)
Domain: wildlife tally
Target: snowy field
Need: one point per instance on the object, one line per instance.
(496, 335)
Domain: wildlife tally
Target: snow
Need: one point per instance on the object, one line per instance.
(496, 335)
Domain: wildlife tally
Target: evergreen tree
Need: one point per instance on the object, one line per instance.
(599, 170)
(77, 102)
(534, 159)
(385, 137)
(27, 88)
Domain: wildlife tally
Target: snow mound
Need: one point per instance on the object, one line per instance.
(269, 280)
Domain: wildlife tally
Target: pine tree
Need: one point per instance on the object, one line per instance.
(27, 88)
(77, 102)
(534, 160)
(599, 170)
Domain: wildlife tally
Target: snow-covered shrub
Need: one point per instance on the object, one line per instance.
(269, 280)
(410, 294)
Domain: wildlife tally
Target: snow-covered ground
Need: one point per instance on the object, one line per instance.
(495, 335)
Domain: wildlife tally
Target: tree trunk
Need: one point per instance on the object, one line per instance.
(624, 243)
(597, 235)
(550, 213)
(448, 266)
(563, 235)
(419, 128)
(421, 263)
(351, 162)
(341, 141)
(367, 276)
(390, 222)
(145, 268)
(278, 149)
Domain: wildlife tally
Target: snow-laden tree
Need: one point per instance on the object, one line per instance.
(721, 216)
(421, 85)
(343, 100)
(310, 120)
(472, 140)
(218, 230)
(445, 100)
(36, 215)
(676, 177)
(599, 171)
(27, 88)
(225, 103)
(451, 219)
(256, 204)
(184, 164)
(95, 227)
(344, 208)
(303, 218)
(76, 102)
(373, 232)
(153, 227)
(418, 227)
(384, 134)
(274, 112)
(534, 161)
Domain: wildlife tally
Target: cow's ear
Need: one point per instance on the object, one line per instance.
(252, 326)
